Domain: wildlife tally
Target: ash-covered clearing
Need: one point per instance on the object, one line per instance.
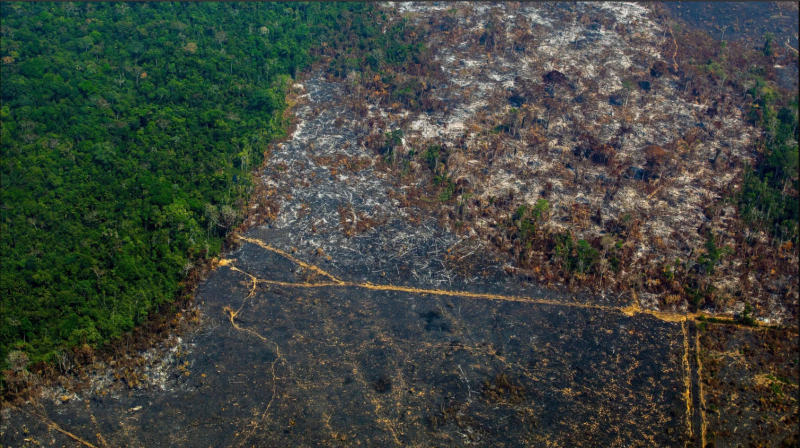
(346, 366)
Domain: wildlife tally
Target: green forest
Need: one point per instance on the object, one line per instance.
(128, 134)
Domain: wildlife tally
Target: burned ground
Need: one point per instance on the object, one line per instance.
(750, 377)
(740, 20)
(586, 109)
(289, 362)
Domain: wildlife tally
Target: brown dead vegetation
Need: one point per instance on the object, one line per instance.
(641, 164)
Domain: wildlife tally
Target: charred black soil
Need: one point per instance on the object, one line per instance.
(750, 378)
(300, 364)
(740, 20)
